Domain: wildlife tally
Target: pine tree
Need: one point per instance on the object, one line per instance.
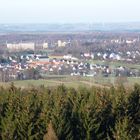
(133, 110)
(121, 131)
(8, 125)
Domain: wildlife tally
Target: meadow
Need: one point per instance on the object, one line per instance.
(76, 81)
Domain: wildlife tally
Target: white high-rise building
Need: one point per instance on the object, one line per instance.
(21, 46)
(45, 45)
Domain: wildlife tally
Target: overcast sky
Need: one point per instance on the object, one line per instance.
(69, 11)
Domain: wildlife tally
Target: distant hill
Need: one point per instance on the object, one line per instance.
(6, 28)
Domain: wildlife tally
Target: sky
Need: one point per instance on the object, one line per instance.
(69, 11)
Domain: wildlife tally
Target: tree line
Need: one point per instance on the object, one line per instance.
(62, 113)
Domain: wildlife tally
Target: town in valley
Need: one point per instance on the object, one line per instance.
(93, 54)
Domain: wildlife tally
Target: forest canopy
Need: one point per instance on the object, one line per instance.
(62, 113)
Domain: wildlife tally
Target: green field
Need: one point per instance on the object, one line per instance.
(75, 81)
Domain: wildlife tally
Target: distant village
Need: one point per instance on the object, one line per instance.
(30, 60)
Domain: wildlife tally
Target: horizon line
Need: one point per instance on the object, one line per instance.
(106, 22)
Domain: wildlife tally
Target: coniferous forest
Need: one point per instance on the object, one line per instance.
(62, 113)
